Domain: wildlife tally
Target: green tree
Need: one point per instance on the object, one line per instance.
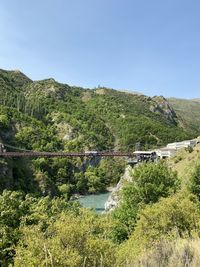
(150, 182)
(4, 121)
(110, 170)
(94, 181)
(17, 210)
(70, 240)
(12, 208)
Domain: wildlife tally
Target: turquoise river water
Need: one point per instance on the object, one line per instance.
(96, 202)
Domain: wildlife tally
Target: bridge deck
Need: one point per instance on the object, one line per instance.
(64, 154)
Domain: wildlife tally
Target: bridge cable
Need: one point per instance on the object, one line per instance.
(18, 148)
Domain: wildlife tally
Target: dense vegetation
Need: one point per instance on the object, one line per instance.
(49, 116)
(158, 211)
(160, 228)
(150, 183)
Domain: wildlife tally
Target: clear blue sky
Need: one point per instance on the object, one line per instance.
(152, 46)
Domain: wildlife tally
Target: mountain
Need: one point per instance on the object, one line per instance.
(103, 116)
(49, 116)
(196, 99)
(188, 112)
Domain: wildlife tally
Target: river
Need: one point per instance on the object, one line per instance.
(96, 202)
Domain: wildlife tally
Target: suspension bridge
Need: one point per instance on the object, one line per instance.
(19, 153)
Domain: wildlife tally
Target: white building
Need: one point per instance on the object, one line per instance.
(183, 144)
(165, 152)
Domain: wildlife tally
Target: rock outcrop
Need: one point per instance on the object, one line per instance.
(113, 199)
(160, 105)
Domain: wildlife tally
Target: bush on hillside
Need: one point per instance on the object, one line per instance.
(70, 241)
(195, 182)
(149, 183)
(174, 217)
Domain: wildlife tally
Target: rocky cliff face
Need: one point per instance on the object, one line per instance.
(160, 105)
(114, 199)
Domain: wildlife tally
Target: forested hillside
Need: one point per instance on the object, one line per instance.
(158, 211)
(49, 116)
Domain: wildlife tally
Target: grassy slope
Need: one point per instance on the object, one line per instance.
(188, 110)
(185, 162)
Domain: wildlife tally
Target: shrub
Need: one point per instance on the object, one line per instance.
(4, 121)
(189, 149)
(149, 183)
(71, 241)
(179, 253)
(195, 182)
(174, 217)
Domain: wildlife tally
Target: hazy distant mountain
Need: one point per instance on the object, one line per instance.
(196, 99)
(130, 92)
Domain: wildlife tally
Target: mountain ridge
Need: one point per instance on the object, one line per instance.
(49, 88)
